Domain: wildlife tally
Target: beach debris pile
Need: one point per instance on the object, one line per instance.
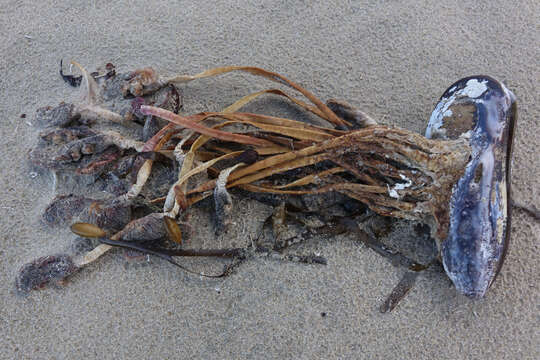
(129, 137)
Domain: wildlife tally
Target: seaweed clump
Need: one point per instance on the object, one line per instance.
(151, 168)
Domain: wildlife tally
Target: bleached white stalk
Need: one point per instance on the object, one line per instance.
(92, 255)
(123, 142)
(222, 198)
(89, 108)
(171, 206)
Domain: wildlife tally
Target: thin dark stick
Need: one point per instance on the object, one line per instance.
(235, 253)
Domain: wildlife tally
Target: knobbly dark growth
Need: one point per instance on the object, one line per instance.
(44, 270)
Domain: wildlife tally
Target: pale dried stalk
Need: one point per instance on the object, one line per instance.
(92, 255)
(170, 207)
(89, 109)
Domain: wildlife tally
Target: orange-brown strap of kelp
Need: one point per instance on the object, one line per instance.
(301, 134)
(238, 104)
(273, 120)
(265, 150)
(231, 112)
(180, 198)
(190, 124)
(338, 142)
(280, 168)
(248, 98)
(205, 166)
(325, 110)
(268, 162)
(380, 203)
(295, 129)
(270, 124)
(173, 230)
(356, 188)
(313, 178)
(274, 164)
(181, 187)
(153, 144)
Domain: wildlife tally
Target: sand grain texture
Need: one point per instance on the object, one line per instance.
(392, 59)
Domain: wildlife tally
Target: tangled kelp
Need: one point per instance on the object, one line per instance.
(392, 171)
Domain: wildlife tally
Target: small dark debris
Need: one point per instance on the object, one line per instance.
(248, 157)
(422, 229)
(40, 272)
(136, 106)
(65, 135)
(102, 163)
(111, 70)
(74, 81)
(151, 127)
(399, 292)
(63, 208)
(177, 99)
(59, 116)
(110, 215)
(113, 184)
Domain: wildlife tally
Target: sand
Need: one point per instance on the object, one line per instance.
(392, 59)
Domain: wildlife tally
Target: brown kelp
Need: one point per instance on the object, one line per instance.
(393, 172)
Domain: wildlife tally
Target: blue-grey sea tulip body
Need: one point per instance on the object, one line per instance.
(483, 109)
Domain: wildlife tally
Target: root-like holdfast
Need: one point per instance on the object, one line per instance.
(456, 179)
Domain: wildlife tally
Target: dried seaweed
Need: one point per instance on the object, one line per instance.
(399, 292)
(393, 171)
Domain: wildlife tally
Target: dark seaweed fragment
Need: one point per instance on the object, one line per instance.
(248, 157)
(65, 135)
(63, 208)
(42, 271)
(73, 151)
(72, 80)
(357, 118)
(111, 70)
(148, 228)
(163, 254)
(176, 98)
(110, 215)
(151, 127)
(102, 163)
(113, 184)
(400, 291)
(59, 116)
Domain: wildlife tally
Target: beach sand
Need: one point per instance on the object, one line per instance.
(391, 59)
